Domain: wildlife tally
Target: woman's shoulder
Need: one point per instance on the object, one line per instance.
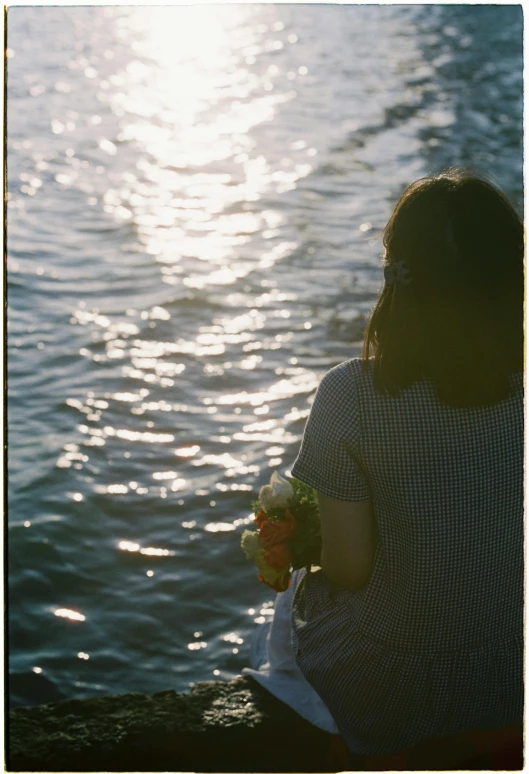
(353, 379)
(344, 385)
(352, 373)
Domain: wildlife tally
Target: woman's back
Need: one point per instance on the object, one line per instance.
(432, 645)
(447, 491)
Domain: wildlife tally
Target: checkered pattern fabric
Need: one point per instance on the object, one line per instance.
(433, 644)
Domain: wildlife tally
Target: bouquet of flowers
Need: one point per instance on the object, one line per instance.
(289, 533)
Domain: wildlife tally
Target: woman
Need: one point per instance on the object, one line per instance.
(413, 627)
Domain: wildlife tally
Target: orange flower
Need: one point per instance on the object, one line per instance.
(276, 579)
(260, 517)
(273, 532)
(277, 556)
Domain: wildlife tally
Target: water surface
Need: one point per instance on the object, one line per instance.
(195, 195)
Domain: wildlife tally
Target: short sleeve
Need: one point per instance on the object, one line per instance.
(328, 459)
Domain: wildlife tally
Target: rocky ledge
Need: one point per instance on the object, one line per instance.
(217, 727)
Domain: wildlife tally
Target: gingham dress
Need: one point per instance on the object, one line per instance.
(433, 645)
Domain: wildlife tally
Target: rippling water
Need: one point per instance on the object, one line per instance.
(194, 200)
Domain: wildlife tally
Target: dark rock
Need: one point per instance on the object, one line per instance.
(220, 727)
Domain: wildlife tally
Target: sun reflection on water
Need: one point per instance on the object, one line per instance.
(189, 99)
(185, 342)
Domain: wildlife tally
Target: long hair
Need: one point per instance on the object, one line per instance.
(459, 321)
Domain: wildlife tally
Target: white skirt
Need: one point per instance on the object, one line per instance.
(273, 664)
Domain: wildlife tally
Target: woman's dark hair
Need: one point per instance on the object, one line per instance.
(459, 321)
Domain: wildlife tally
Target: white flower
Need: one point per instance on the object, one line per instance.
(250, 543)
(277, 493)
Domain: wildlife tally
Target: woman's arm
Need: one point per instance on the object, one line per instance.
(348, 541)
